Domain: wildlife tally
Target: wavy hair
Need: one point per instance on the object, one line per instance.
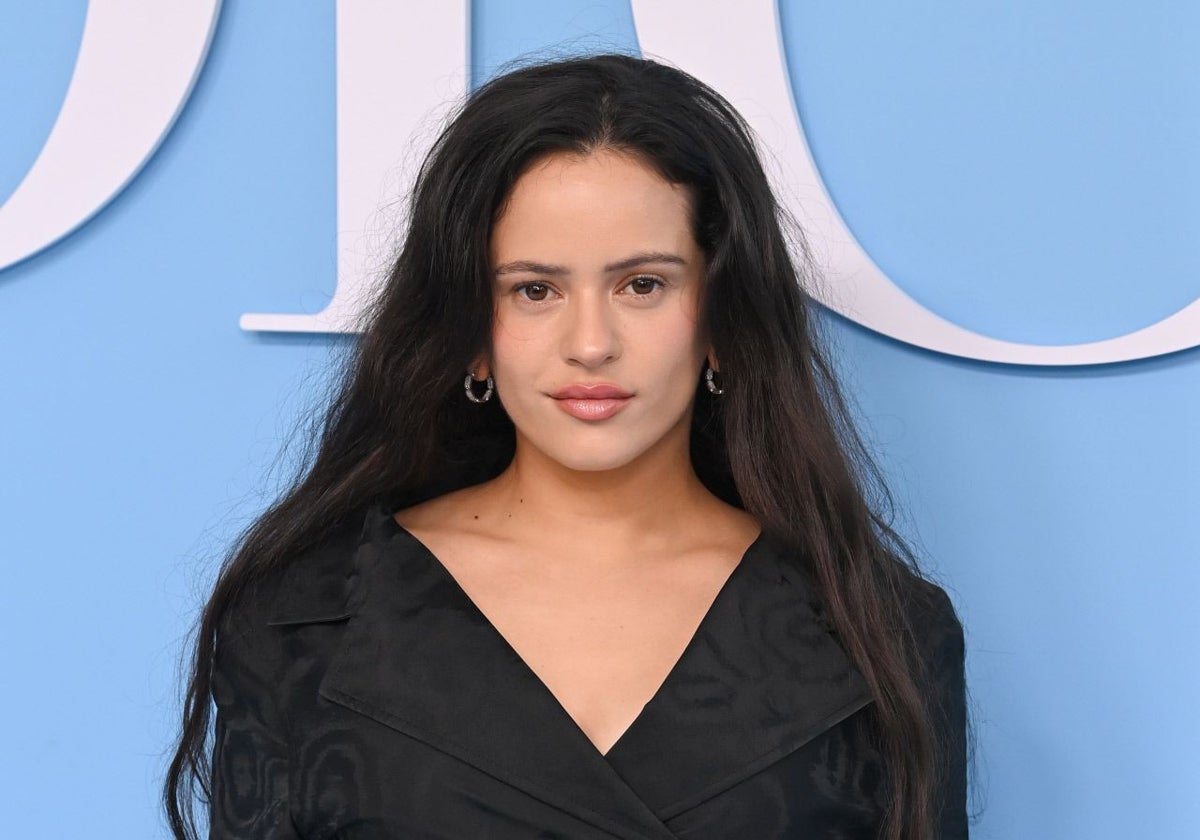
(779, 443)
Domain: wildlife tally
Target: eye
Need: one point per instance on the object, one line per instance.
(645, 285)
(537, 292)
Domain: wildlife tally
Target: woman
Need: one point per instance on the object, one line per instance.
(585, 549)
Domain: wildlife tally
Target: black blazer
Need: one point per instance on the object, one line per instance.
(361, 694)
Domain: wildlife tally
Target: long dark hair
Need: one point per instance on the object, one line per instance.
(779, 443)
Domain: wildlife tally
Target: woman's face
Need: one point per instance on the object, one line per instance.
(597, 282)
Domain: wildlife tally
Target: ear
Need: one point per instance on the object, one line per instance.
(712, 359)
(480, 368)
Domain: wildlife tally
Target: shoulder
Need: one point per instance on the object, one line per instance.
(317, 583)
(929, 611)
(252, 652)
(312, 585)
(935, 625)
(939, 637)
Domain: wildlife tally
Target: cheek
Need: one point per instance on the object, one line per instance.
(514, 348)
(673, 345)
(679, 336)
(666, 361)
(523, 368)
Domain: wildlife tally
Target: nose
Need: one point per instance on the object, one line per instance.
(591, 334)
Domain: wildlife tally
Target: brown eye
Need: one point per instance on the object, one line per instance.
(643, 286)
(535, 291)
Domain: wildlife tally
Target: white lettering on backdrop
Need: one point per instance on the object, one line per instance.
(398, 63)
(738, 49)
(138, 60)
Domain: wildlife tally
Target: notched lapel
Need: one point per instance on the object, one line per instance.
(763, 678)
(414, 640)
(317, 586)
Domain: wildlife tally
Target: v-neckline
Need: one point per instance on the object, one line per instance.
(693, 641)
(761, 677)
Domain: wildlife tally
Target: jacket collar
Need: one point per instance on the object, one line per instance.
(761, 677)
(318, 585)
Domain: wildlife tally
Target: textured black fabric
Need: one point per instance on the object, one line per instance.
(362, 694)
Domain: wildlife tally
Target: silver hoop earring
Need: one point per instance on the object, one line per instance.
(487, 394)
(712, 386)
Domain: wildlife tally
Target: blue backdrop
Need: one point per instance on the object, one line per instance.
(1027, 170)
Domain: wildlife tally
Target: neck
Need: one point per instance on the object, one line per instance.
(647, 500)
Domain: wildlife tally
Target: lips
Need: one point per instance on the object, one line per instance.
(599, 391)
(591, 402)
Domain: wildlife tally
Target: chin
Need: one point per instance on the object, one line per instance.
(593, 462)
(592, 456)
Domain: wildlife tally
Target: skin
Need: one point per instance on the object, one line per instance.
(598, 551)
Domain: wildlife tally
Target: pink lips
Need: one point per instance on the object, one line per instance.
(591, 402)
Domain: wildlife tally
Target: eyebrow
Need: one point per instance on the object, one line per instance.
(621, 265)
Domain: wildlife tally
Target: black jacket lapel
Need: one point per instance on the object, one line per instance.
(419, 657)
(761, 678)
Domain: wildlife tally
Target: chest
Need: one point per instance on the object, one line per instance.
(416, 717)
(603, 641)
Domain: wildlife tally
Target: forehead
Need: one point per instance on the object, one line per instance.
(578, 208)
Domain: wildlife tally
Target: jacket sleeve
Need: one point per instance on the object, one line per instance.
(250, 751)
(949, 708)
